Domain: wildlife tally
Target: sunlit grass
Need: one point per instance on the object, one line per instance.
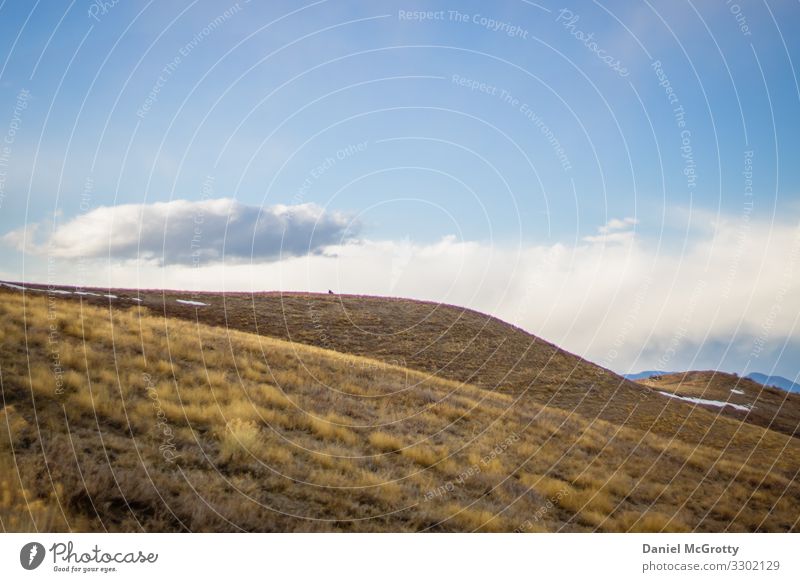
(150, 416)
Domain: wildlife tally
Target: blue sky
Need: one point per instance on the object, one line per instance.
(496, 131)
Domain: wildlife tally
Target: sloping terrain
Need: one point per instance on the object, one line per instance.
(734, 396)
(115, 418)
(447, 342)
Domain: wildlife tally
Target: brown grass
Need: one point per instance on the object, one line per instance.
(385, 442)
(161, 424)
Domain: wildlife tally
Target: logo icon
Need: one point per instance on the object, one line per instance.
(31, 555)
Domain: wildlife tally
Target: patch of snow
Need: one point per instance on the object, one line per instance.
(187, 302)
(718, 403)
(135, 299)
(22, 288)
(735, 391)
(12, 286)
(54, 291)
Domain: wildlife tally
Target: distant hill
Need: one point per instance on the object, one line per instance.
(733, 396)
(775, 381)
(645, 374)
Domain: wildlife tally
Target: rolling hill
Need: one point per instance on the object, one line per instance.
(763, 379)
(444, 341)
(733, 396)
(775, 382)
(296, 412)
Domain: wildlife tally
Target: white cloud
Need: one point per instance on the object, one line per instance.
(184, 232)
(615, 230)
(618, 224)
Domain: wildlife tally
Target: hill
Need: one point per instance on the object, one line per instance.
(123, 417)
(446, 342)
(734, 396)
(775, 382)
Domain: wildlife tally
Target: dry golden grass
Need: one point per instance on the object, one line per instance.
(651, 522)
(472, 520)
(423, 455)
(20, 509)
(385, 442)
(330, 428)
(168, 425)
(239, 440)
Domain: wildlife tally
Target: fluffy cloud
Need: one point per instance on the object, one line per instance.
(184, 232)
(614, 231)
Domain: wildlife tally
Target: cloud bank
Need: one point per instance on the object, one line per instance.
(184, 232)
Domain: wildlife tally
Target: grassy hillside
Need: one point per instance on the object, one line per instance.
(755, 403)
(163, 424)
(447, 342)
